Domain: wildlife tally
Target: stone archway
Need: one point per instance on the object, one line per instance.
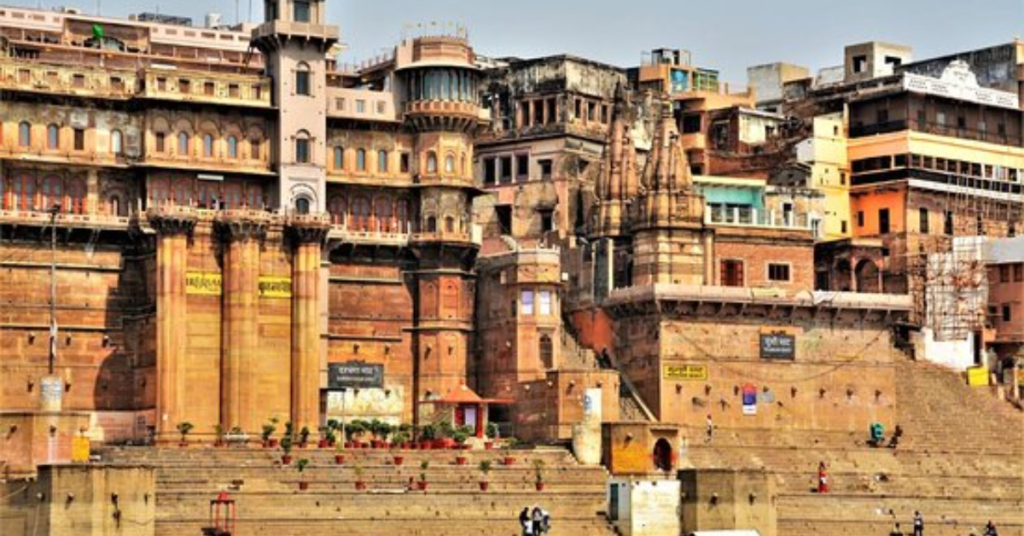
(867, 277)
(662, 455)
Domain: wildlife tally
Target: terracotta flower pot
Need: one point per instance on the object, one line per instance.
(540, 486)
(303, 486)
(488, 445)
(360, 486)
(460, 460)
(484, 486)
(508, 460)
(321, 444)
(399, 460)
(421, 485)
(286, 459)
(339, 459)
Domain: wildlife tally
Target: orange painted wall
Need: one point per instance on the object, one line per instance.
(870, 203)
(595, 329)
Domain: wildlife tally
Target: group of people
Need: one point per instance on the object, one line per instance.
(990, 528)
(536, 522)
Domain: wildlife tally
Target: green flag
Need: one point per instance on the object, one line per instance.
(97, 32)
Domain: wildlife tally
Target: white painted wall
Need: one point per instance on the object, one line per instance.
(645, 507)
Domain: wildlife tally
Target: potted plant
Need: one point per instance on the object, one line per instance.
(352, 430)
(460, 437)
(400, 438)
(360, 485)
(361, 427)
(286, 447)
(427, 436)
(538, 468)
(485, 469)
(405, 429)
(304, 437)
(301, 466)
(237, 437)
(422, 484)
(492, 434)
(184, 428)
(339, 453)
(218, 432)
(510, 443)
(384, 430)
(268, 431)
(445, 431)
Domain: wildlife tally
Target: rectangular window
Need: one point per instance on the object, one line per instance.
(160, 142)
(547, 221)
(504, 216)
(1018, 273)
(691, 123)
(301, 11)
(209, 88)
(922, 220)
(948, 223)
(184, 86)
(843, 227)
(302, 151)
(505, 169)
(883, 221)
(78, 80)
(403, 163)
(860, 218)
(490, 171)
(233, 91)
(545, 169)
(732, 273)
(522, 167)
(544, 302)
(161, 84)
(1004, 273)
(254, 149)
(257, 92)
(360, 106)
(1007, 313)
(302, 82)
(79, 139)
(526, 305)
(778, 272)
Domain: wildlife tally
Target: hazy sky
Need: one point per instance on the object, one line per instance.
(723, 34)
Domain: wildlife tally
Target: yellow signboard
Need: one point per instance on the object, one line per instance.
(203, 283)
(275, 287)
(79, 449)
(686, 372)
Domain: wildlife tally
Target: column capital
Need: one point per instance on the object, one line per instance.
(172, 220)
(243, 224)
(309, 228)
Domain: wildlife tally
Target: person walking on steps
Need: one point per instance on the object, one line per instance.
(709, 429)
(822, 478)
(525, 522)
(918, 524)
(538, 521)
(990, 529)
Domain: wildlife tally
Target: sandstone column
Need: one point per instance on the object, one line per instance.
(173, 225)
(307, 233)
(242, 230)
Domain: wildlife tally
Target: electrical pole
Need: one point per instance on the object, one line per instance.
(53, 287)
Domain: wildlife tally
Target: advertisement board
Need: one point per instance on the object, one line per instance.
(355, 375)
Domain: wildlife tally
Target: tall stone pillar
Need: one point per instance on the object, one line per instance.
(173, 226)
(243, 231)
(307, 235)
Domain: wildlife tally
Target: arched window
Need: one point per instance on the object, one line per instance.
(546, 350)
(338, 210)
(52, 137)
(431, 162)
(382, 161)
(449, 164)
(449, 224)
(360, 214)
(76, 196)
(232, 147)
(182, 191)
(24, 193)
(302, 79)
(383, 213)
(208, 145)
(431, 224)
(360, 160)
(254, 196)
(339, 158)
(302, 205)
(302, 148)
(51, 194)
(24, 134)
(254, 149)
(402, 215)
(116, 142)
(183, 144)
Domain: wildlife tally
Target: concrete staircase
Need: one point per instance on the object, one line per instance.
(271, 504)
(960, 463)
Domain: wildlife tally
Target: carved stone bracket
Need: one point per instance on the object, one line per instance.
(244, 224)
(309, 228)
(172, 220)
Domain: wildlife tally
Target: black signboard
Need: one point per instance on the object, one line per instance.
(354, 375)
(778, 346)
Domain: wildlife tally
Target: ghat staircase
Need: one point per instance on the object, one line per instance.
(960, 463)
(270, 503)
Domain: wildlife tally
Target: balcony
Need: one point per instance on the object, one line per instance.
(42, 219)
(718, 215)
(205, 87)
(65, 80)
(937, 129)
